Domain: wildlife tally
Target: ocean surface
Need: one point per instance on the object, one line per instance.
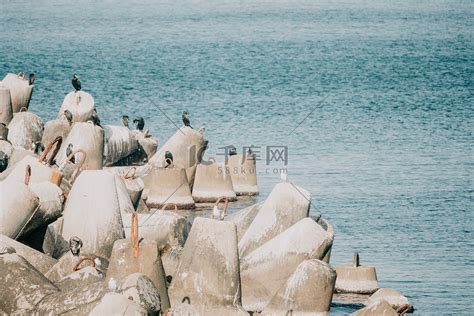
(372, 99)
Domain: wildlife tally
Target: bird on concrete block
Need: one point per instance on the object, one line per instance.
(95, 119)
(75, 245)
(168, 159)
(3, 161)
(68, 116)
(21, 75)
(139, 123)
(31, 79)
(185, 118)
(232, 150)
(76, 82)
(125, 121)
(69, 153)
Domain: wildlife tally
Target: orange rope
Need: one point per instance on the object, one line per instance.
(58, 141)
(134, 234)
(167, 204)
(76, 266)
(128, 175)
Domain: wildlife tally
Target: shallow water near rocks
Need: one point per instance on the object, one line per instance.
(387, 156)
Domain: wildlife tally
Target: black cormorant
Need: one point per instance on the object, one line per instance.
(76, 82)
(31, 79)
(125, 120)
(68, 116)
(139, 123)
(95, 119)
(69, 153)
(75, 245)
(168, 159)
(232, 150)
(185, 118)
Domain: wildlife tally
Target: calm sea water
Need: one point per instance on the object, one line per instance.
(388, 156)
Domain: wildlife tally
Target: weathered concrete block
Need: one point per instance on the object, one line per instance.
(243, 171)
(119, 143)
(286, 205)
(25, 130)
(89, 138)
(308, 290)
(21, 285)
(354, 278)
(304, 240)
(20, 91)
(166, 228)
(167, 186)
(396, 299)
(50, 207)
(82, 300)
(133, 183)
(6, 111)
(17, 204)
(63, 267)
(208, 273)
(52, 129)
(80, 104)
(244, 218)
(81, 277)
(147, 146)
(93, 212)
(39, 260)
(117, 304)
(376, 308)
(187, 147)
(123, 262)
(211, 183)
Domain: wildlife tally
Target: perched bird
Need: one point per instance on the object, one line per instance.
(31, 79)
(3, 161)
(21, 75)
(69, 151)
(68, 116)
(125, 121)
(76, 82)
(139, 123)
(75, 245)
(185, 118)
(232, 150)
(95, 119)
(38, 147)
(168, 159)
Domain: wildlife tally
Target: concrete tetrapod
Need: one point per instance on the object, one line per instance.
(17, 205)
(166, 228)
(21, 285)
(6, 112)
(212, 183)
(89, 138)
(167, 186)
(307, 291)
(354, 278)
(119, 143)
(39, 260)
(304, 240)
(20, 91)
(25, 130)
(133, 183)
(396, 299)
(52, 129)
(147, 146)
(93, 211)
(80, 104)
(208, 272)
(51, 201)
(147, 261)
(117, 304)
(376, 308)
(82, 300)
(187, 147)
(244, 218)
(243, 171)
(286, 205)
